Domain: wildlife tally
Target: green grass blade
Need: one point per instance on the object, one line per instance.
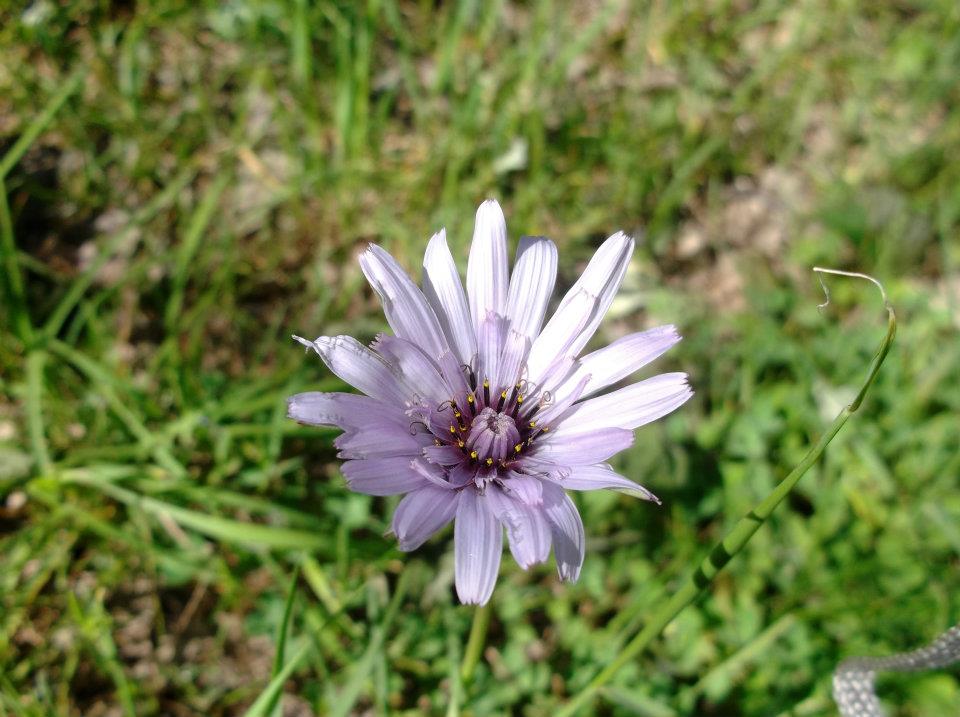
(262, 704)
(13, 279)
(213, 526)
(273, 706)
(38, 440)
(39, 124)
(103, 381)
(361, 670)
(300, 68)
(188, 249)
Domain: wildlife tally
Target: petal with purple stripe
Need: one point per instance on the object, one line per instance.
(444, 291)
(343, 410)
(598, 477)
(620, 359)
(583, 306)
(524, 488)
(487, 272)
(445, 455)
(582, 448)
(382, 476)
(629, 407)
(417, 368)
(361, 368)
(404, 305)
(528, 532)
(421, 514)
(566, 528)
(515, 350)
(478, 544)
(491, 337)
(531, 284)
(374, 442)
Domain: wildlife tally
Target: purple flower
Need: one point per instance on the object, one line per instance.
(477, 414)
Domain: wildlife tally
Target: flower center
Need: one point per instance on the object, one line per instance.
(493, 436)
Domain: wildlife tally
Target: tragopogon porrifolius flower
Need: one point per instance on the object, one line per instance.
(479, 416)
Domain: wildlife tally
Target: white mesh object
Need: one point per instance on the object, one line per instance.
(853, 680)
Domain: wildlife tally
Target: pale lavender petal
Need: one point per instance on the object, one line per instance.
(361, 368)
(487, 280)
(445, 455)
(524, 488)
(630, 407)
(417, 369)
(583, 306)
(531, 284)
(421, 514)
(343, 410)
(621, 358)
(527, 530)
(557, 373)
(567, 531)
(453, 374)
(404, 305)
(491, 336)
(514, 353)
(478, 543)
(431, 472)
(462, 475)
(555, 342)
(552, 411)
(442, 287)
(379, 439)
(581, 449)
(382, 476)
(601, 476)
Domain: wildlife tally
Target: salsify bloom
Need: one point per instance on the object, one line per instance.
(480, 416)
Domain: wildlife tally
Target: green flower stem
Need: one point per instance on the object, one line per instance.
(740, 534)
(476, 641)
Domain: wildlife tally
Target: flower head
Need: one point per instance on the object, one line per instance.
(480, 416)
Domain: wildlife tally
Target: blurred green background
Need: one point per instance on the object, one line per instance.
(203, 192)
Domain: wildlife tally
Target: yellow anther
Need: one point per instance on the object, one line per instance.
(533, 424)
(457, 414)
(518, 447)
(520, 398)
(470, 399)
(453, 429)
(460, 443)
(489, 461)
(503, 394)
(486, 383)
(473, 454)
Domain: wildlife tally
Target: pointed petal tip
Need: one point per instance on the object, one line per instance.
(438, 238)
(621, 237)
(670, 330)
(308, 344)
